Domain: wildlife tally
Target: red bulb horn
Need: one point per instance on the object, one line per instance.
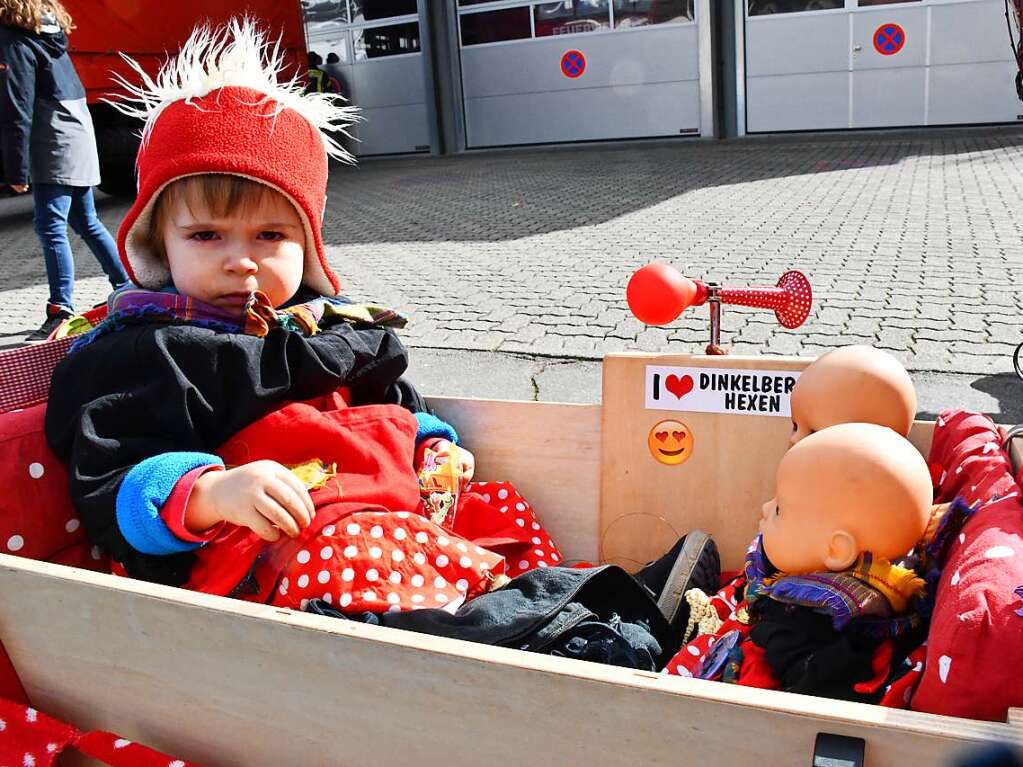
(657, 294)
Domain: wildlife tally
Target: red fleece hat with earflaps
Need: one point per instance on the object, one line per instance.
(256, 133)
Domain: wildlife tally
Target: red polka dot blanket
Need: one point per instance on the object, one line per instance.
(29, 738)
(975, 643)
(370, 547)
(36, 517)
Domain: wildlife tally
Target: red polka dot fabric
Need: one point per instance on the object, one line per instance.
(29, 738)
(900, 692)
(37, 519)
(975, 642)
(377, 561)
(687, 660)
(495, 515)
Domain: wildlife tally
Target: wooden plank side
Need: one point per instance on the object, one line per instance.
(646, 505)
(921, 435)
(550, 452)
(229, 683)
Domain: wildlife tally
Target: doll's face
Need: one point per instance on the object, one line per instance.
(796, 541)
(221, 260)
(844, 490)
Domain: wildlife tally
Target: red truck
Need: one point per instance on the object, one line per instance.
(148, 31)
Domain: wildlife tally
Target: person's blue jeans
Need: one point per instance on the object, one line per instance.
(56, 206)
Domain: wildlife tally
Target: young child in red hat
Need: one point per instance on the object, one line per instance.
(234, 426)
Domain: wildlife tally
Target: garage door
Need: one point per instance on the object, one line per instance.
(578, 70)
(825, 64)
(371, 49)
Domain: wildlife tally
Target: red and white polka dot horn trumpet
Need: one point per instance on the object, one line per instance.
(658, 294)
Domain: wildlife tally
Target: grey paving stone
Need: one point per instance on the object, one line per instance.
(911, 240)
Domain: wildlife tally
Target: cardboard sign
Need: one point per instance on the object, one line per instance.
(720, 390)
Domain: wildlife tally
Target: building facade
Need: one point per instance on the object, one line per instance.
(446, 76)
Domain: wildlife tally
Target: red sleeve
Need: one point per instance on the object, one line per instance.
(173, 511)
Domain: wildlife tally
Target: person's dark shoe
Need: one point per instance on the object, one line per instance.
(54, 316)
(692, 563)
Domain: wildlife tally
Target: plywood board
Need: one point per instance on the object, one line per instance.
(229, 683)
(646, 505)
(550, 452)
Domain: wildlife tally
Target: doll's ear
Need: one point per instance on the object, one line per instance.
(842, 551)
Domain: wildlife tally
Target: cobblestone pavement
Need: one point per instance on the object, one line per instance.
(913, 241)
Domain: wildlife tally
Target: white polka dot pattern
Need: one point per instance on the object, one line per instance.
(393, 562)
(504, 504)
(791, 299)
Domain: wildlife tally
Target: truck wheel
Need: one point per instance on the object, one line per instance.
(117, 143)
(118, 178)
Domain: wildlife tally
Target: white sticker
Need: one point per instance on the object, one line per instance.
(720, 390)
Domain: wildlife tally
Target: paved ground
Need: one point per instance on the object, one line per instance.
(516, 262)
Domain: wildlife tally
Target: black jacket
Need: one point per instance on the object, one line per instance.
(46, 131)
(152, 388)
(599, 614)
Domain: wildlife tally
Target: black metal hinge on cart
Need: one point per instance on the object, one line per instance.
(838, 751)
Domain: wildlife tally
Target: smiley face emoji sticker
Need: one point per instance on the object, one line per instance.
(670, 442)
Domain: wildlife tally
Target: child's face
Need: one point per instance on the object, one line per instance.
(221, 260)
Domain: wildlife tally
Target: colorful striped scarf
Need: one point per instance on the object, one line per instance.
(132, 305)
(878, 595)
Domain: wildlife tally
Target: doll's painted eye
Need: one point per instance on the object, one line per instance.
(777, 511)
(795, 427)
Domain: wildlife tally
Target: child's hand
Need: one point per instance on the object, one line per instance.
(262, 496)
(445, 451)
(466, 460)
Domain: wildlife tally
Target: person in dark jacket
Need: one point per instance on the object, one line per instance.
(48, 144)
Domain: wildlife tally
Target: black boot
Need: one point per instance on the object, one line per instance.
(692, 563)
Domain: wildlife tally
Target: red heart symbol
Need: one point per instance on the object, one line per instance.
(661, 435)
(680, 387)
(678, 435)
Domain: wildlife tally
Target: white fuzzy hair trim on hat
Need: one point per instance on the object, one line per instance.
(235, 55)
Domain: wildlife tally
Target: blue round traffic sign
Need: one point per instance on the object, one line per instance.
(889, 39)
(573, 64)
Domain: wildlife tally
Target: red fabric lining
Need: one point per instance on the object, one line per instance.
(29, 738)
(974, 646)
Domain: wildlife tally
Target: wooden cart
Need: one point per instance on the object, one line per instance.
(225, 682)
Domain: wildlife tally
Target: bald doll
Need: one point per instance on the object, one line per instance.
(842, 491)
(853, 384)
(831, 605)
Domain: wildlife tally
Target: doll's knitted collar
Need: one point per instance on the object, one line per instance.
(874, 591)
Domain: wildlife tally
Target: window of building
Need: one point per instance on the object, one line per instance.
(641, 13)
(863, 3)
(764, 7)
(319, 11)
(372, 10)
(495, 26)
(392, 40)
(570, 17)
(334, 50)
